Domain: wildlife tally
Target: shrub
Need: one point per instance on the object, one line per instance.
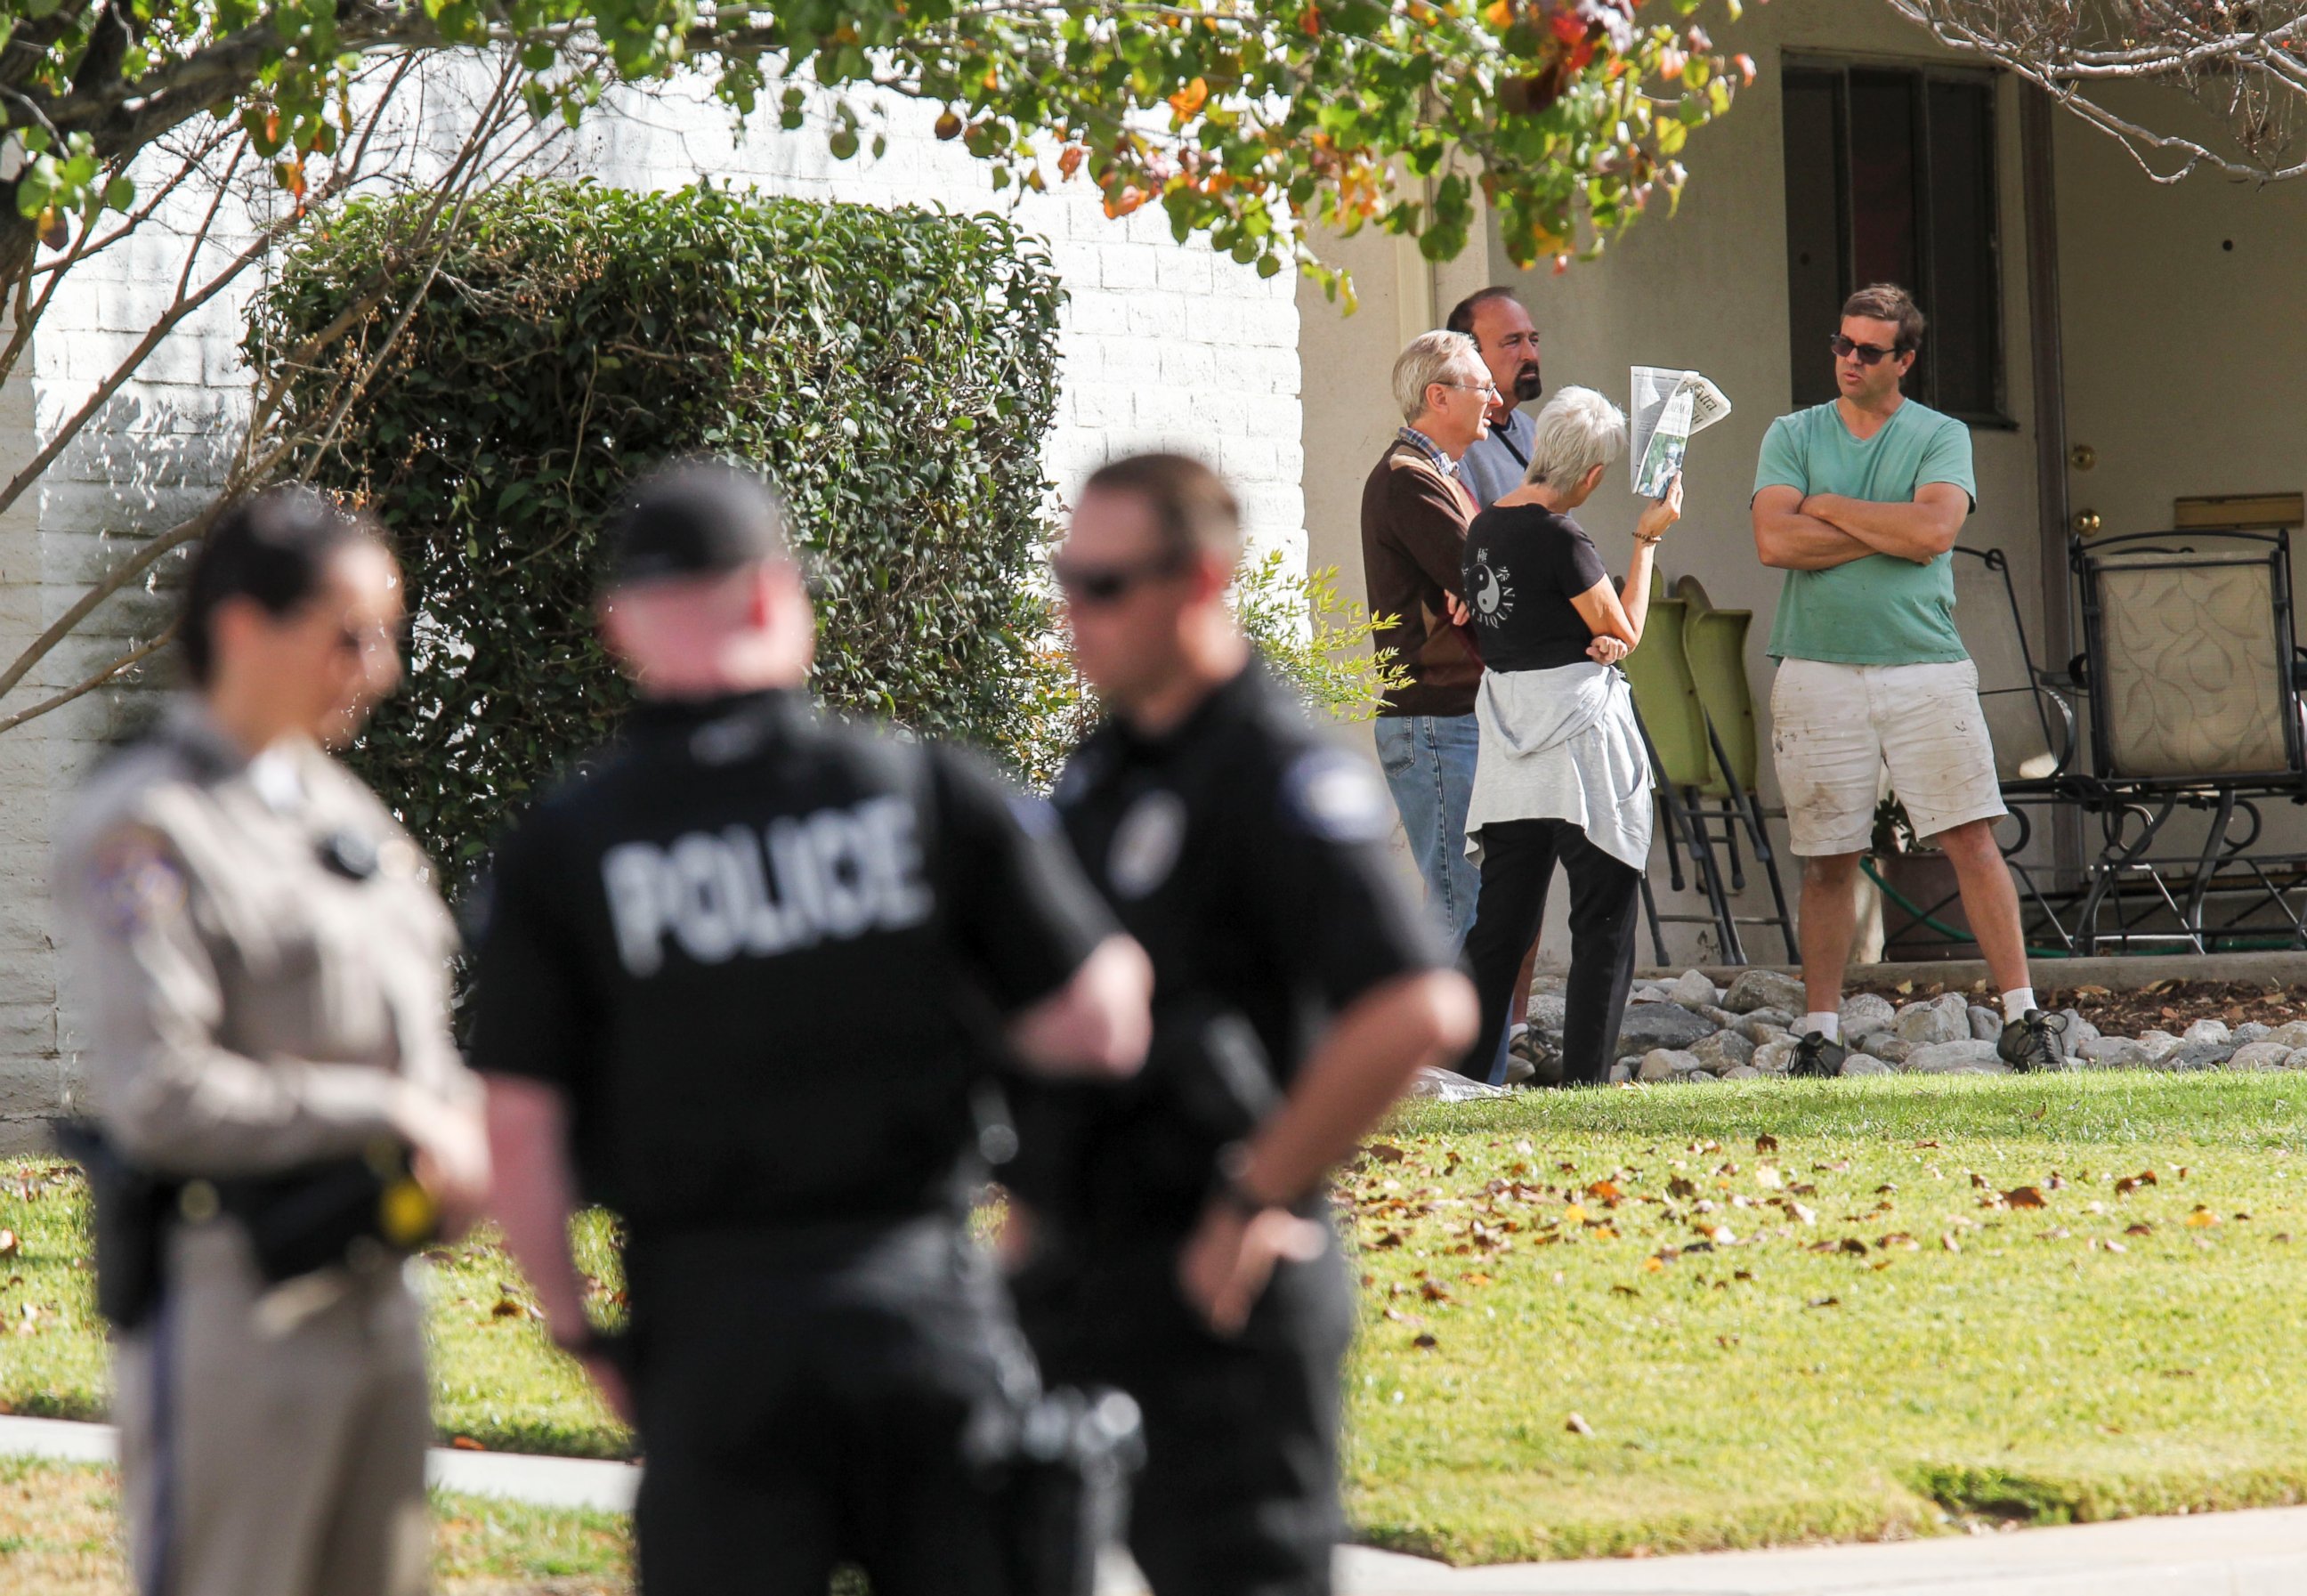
(894, 370)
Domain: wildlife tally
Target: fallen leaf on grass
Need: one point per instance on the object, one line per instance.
(1766, 1143)
(2282, 1235)
(2110, 1246)
(1678, 1187)
(1839, 1166)
(1574, 1214)
(1424, 1340)
(1386, 1153)
(1948, 1241)
(1578, 1426)
(465, 1444)
(1977, 1180)
(1727, 1342)
(9, 1244)
(1823, 1302)
(1807, 1216)
(1768, 1179)
(2201, 1219)
(2025, 1196)
(1433, 1290)
(1605, 1191)
(1927, 1144)
(1624, 1291)
(2130, 1183)
(1476, 1278)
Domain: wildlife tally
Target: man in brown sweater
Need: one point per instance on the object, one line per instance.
(1415, 513)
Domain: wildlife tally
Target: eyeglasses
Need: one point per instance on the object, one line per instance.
(379, 638)
(1868, 354)
(1094, 586)
(1472, 387)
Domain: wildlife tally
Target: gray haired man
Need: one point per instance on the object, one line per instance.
(1415, 512)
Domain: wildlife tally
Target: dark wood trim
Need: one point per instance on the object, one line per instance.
(2048, 348)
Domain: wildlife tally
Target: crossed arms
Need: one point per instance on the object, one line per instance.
(1823, 530)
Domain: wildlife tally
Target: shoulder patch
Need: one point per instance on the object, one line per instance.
(133, 881)
(1334, 796)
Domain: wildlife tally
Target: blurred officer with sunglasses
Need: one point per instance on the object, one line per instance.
(263, 965)
(1171, 1237)
(1859, 501)
(742, 984)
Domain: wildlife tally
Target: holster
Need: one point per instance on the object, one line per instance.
(1205, 1084)
(1064, 1463)
(297, 1221)
(322, 1213)
(132, 1207)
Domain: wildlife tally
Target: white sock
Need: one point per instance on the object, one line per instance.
(2016, 1001)
(1829, 1026)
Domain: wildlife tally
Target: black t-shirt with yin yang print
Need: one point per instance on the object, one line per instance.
(1523, 565)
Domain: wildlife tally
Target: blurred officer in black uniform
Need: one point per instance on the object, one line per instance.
(739, 985)
(1172, 1235)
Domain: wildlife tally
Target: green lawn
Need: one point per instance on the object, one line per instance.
(1883, 1340)
(59, 1536)
(1873, 1331)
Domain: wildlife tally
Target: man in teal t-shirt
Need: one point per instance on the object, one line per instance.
(1860, 501)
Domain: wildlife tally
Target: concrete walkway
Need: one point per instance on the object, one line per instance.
(2222, 1554)
(2217, 1554)
(548, 1482)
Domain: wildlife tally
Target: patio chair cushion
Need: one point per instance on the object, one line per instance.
(2194, 670)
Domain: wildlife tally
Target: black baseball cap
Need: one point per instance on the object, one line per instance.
(694, 519)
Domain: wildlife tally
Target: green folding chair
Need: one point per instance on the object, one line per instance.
(1689, 679)
(1674, 728)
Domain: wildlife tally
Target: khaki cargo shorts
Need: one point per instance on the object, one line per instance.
(1835, 727)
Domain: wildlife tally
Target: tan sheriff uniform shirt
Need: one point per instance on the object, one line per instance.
(258, 952)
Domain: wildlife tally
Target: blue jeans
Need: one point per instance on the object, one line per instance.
(1428, 761)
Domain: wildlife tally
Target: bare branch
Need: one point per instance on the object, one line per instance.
(134, 656)
(2243, 65)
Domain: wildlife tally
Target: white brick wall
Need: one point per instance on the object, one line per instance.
(1163, 346)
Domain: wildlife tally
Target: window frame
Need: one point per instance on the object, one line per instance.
(1921, 76)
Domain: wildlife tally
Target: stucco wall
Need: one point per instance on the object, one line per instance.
(1164, 345)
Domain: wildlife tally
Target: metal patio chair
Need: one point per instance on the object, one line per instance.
(2192, 673)
(2031, 725)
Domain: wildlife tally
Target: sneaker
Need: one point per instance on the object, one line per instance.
(2034, 1042)
(1815, 1055)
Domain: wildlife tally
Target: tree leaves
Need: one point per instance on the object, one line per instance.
(895, 371)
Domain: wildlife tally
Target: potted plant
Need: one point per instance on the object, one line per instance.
(1921, 900)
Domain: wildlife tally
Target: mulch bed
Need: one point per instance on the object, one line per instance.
(2170, 1005)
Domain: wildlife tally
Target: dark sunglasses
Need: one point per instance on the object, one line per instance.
(1868, 354)
(364, 639)
(1095, 584)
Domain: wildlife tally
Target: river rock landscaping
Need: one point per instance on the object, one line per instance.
(1690, 1030)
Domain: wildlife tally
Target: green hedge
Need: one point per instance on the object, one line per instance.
(895, 371)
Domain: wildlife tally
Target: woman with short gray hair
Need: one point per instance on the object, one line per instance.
(1562, 774)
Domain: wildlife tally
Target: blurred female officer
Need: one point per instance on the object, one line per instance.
(262, 963)
(1561, 773)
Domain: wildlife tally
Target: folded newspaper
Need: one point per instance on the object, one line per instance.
(1669, 406)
